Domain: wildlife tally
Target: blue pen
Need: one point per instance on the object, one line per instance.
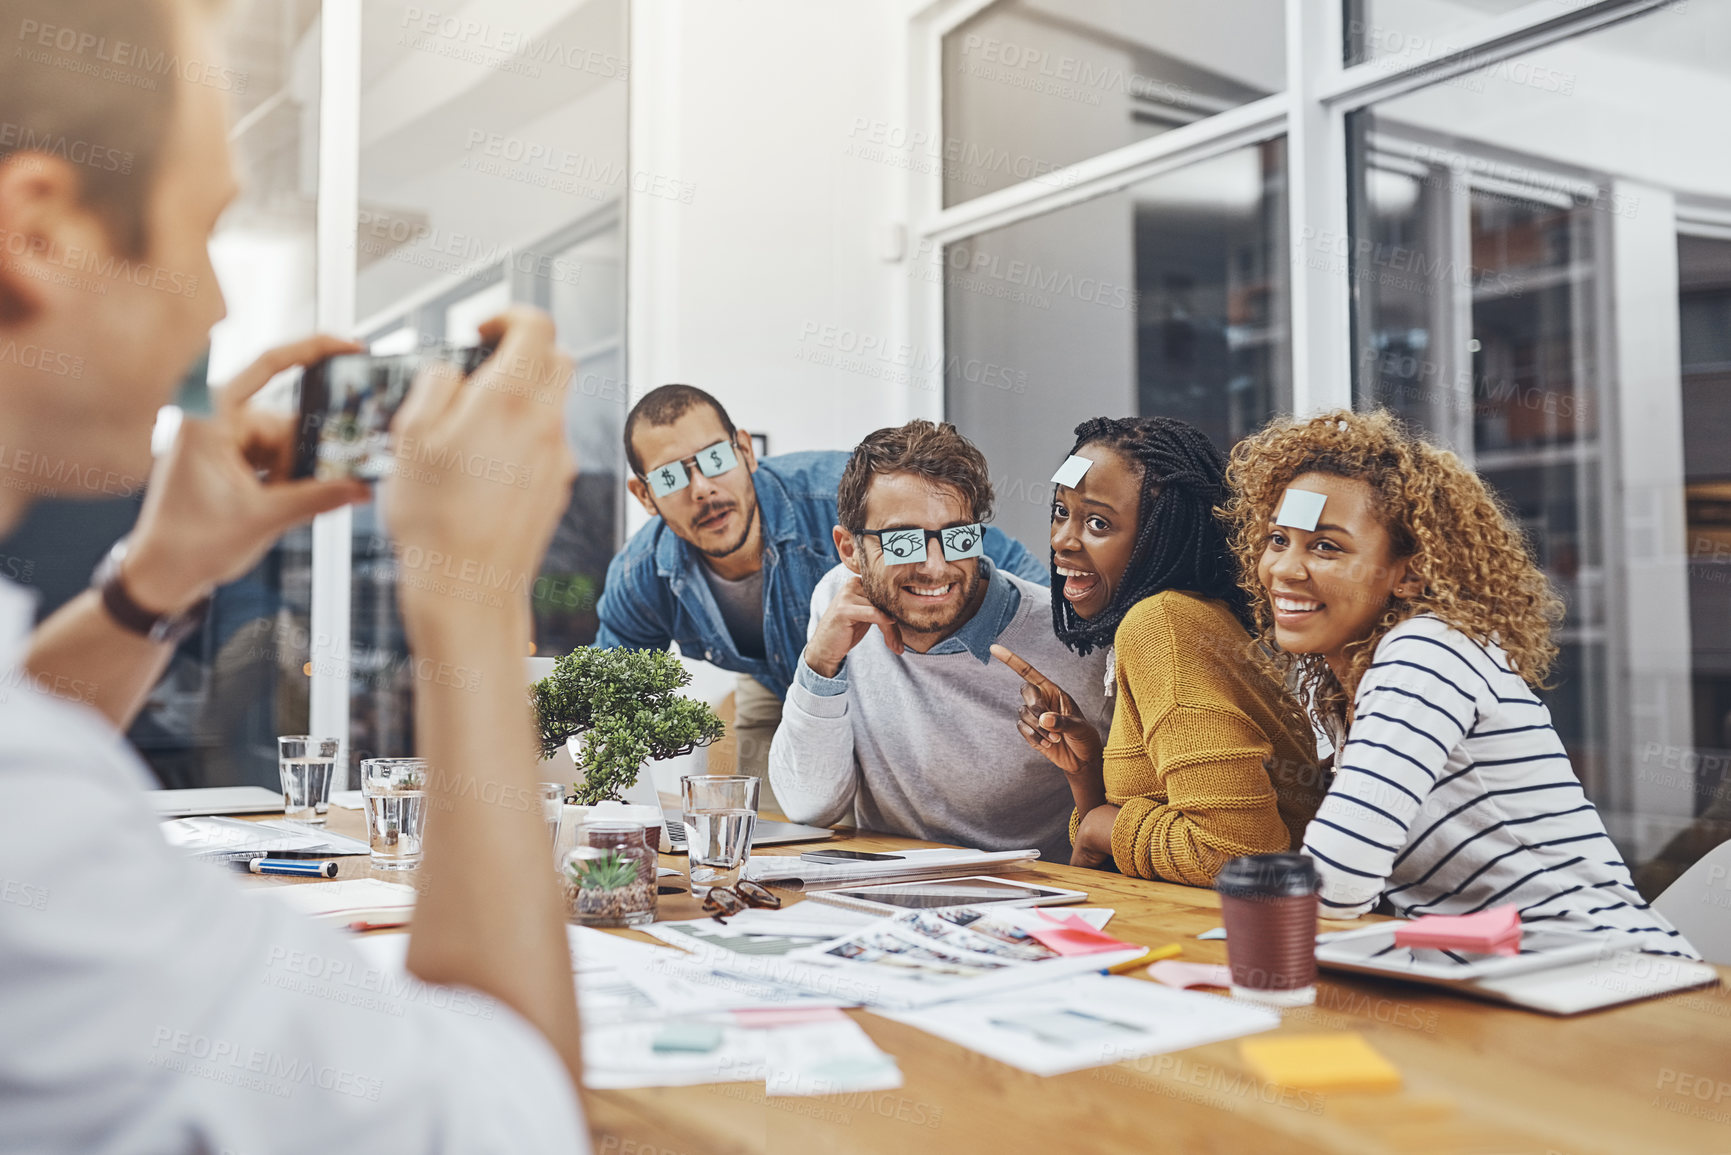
(291, 866)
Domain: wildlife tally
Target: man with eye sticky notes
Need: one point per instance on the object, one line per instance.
(895, 716)
(736, 546)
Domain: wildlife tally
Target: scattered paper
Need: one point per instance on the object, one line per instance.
(1086, 1021)
(346, 901)
(829, 1058)
(763, 932)
(215, 836)
(1071, 471)
(928, 956)
(1217, 934)
(1337, 1062)
(940, 862)
(1301, 509)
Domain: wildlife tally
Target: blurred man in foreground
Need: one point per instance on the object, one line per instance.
(146, 1004)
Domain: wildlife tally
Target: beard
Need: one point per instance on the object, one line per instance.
(744, 533)
(884, 591)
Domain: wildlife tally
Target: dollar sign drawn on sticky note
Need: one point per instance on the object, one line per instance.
(667, 477)
(715, 458)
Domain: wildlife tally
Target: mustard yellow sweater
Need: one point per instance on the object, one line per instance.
(1197, 734)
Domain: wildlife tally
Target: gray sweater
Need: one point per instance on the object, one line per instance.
(926, 745)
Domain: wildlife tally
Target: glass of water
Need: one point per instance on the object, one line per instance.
(394, 796)
(720, 814)
(306, 765)
(552, 796)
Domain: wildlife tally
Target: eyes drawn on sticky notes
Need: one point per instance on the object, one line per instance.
(1301, 509)
(903, 546)
(962, 541)
(669, 478)
(1071, 471)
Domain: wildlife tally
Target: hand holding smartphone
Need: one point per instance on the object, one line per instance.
(347, 403)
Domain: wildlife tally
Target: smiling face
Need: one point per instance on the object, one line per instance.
(931, 599)
(1094, 529)
(1330, 586)
(717, 515)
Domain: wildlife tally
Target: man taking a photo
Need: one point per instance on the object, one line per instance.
(146, 1003)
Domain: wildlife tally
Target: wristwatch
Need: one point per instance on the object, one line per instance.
(169, 628)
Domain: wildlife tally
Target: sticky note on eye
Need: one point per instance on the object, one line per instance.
(1300, 509)
(668, 479)
(962, 541)
(903, 546)
(1071, 471)
(717, 459)
(1339, 1062)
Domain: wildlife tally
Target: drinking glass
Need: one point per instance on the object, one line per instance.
(305, 766)
(552, 795)
(720, 812)
(394, 796)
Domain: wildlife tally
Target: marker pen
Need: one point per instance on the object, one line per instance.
(291, 867)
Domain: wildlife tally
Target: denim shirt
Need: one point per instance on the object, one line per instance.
(655, 591)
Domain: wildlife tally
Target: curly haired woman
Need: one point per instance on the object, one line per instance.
(1405, 602)
(1208, 756)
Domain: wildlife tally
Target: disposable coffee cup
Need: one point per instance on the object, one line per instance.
(1268, 905)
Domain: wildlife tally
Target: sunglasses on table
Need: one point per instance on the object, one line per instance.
(724, 901)
(676, 475)
(908, 546)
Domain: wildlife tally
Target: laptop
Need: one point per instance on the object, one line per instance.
(205, 800)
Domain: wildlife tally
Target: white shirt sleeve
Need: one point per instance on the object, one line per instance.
(150, 1005)
(1413, 708)
(811, 757)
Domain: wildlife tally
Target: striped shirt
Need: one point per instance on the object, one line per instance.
(1454, 794)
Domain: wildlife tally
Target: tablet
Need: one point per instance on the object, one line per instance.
(1371, 950)
(980, 890)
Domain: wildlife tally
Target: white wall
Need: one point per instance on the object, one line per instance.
(780, 248)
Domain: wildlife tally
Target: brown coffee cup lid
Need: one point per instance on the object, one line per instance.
(1268, 876)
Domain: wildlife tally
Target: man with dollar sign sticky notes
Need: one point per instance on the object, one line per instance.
(736, 546)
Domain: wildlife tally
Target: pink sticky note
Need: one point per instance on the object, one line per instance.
(1493, 931)
(759, 1018)
(1069, 935)
(1173, 973)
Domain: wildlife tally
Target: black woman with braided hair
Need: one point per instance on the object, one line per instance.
(1208, 757)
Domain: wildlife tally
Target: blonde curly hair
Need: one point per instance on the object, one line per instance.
(1477, 567)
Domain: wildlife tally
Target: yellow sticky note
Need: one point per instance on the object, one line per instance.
(1335, 1062)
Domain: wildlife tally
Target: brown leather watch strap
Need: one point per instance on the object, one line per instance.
(131, 616)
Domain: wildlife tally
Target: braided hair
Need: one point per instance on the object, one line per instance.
(1180, 541)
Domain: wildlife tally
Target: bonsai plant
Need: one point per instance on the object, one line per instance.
(624, 705)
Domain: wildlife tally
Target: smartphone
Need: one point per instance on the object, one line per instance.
(347, 403)
(848, 856)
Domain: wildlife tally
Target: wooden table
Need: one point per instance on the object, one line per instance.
(1650, 1077)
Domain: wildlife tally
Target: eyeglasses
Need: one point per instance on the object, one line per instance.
(676, 475)
(722, 902)
(908, 546)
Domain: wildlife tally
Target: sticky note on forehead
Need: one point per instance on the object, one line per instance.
(1300, 509)
(1071, 471)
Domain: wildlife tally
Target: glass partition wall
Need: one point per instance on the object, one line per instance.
(492, 171)
(1506, 222)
